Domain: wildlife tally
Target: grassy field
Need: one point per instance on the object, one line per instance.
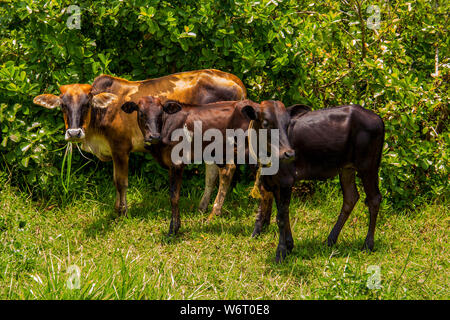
(132, 258)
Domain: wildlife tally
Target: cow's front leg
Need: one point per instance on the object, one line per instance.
(225, 177)
(120, 160)
(264, 211)
(285, 244)
(175, 177)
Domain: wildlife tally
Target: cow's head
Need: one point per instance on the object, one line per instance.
(270, 115)
(76, 103)
(149, 116)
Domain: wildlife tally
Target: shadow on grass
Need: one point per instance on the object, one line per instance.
(221, 225)
(166, 240)
(307, 250)
(102, 225)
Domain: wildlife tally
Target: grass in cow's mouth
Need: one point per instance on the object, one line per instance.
(66, 167)
(132, 258)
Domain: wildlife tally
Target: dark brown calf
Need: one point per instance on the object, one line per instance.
(219, 116)
(342, 140)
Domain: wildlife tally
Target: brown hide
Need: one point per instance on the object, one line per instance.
(220, 116)
(195, 87)
(92, 114)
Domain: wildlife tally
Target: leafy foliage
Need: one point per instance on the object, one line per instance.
(319, 53)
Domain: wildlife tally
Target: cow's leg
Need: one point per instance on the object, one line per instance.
(120, 161)
(351, 196)
(264, 211)
(225, 177)
(373, 199)
(175, 178)
(285, 243)
(212, 172)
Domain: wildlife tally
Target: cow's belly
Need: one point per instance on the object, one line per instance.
(98, 146)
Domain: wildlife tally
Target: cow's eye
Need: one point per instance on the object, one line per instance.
(265, 124)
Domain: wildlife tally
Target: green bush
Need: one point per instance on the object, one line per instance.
(319, 53)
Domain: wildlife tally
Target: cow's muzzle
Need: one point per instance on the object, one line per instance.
(153, 139)
(287, 155)
(74, 134)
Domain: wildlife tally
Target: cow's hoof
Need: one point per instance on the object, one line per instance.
(171, 233)
(281, 254)
(173, 229)
(256, 232)
(368, 245)
(214, 213)
(121, 211)
(202, 208)
(289, 245)
(331, 241)
(210, 217)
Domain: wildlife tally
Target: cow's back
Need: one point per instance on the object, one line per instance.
(327, 139)
(185, 87)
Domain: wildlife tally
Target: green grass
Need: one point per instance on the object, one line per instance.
(132, 258)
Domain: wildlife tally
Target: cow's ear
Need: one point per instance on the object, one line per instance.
(129, 107)
(172, 107)
(249, 109)
(49, 101)
(104, 100)
(297, 109)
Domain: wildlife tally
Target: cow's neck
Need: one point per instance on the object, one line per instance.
(96, 143)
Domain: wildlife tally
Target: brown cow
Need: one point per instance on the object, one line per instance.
(92, 116)
(157, 119)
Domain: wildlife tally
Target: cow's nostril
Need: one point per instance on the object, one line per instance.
(155, 138)
(74, 134)
(289, 154)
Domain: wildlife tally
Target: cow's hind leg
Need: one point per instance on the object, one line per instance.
(225, 178)
(264, 211)
(175, 177)
(120, 161)
(351, 196)
(212, 172)
(373, 199)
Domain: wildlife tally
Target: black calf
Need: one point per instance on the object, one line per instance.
(342, 140)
